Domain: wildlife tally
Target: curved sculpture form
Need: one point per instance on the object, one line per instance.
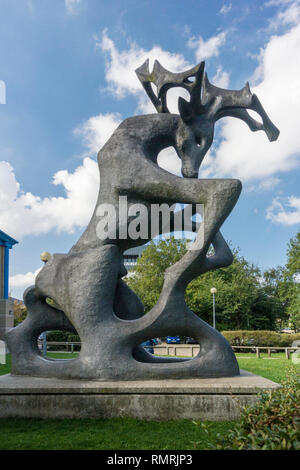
(86, 284)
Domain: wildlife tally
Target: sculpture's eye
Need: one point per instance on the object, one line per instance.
(198, 140)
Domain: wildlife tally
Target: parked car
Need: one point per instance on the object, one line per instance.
(189, 340)
(173, 340)
(149, 345)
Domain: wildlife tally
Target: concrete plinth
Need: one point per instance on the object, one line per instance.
(199, 399)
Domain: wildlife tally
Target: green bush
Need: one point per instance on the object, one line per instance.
(273, 423)
(259, 338)
(65, 336)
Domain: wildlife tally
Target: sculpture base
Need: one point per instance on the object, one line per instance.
(198, 399)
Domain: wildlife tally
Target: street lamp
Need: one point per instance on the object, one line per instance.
(213, 291)
(45, 257)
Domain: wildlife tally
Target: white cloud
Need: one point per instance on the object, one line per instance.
(121, 77)
(206, 49)
(277, 2)
(120, 68)
(122, 80)
(23, 280)
(267, 184)
(81, 187)
(63, 214)
(221, 78)
(248, 155)
(72, 6)
(284, 212)
(26, 214)
(225, 9)
(97, 130)
(288, 13)
(121, 64)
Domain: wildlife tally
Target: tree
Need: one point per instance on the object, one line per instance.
(285, 284)
(148, 277)
(293, 311)
(293, 255)
(241, 299)
(20, 312)
(293, 277)
(276, 286)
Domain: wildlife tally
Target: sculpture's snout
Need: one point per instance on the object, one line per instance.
(189, 173)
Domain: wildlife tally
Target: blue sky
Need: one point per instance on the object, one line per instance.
(68, 67)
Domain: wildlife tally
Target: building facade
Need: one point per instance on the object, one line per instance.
(131, 256)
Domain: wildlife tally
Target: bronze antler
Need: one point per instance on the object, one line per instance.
(234, 103)
(164, 80)
(205, 98)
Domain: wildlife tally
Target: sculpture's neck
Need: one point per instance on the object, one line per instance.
(161, 134)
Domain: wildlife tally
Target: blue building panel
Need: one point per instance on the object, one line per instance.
(7, 242)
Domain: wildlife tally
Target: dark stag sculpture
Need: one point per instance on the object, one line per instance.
(86, 284)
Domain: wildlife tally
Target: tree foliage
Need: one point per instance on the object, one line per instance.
(148, 278)
(20, 312)
(293, 277)
(242, 301)
(284, 282)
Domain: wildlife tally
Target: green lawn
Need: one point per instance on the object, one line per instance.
(116, 434)
(125, 433)
(273, 368)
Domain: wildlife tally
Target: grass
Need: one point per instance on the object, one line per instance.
(273, 368)
(105, 434)
(125, 433)
(5, 368)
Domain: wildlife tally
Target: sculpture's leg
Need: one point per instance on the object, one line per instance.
(222, 257)
(22, 340)
(218, 196)
(84, 286)
(215, 359)
(110, 344)
(171, 316)
(127, 305)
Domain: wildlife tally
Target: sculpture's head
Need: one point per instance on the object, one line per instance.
(207, 104)
(193, 138)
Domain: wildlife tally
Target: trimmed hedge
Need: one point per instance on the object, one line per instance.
(235, 338)
(65, 336)
(260, 338)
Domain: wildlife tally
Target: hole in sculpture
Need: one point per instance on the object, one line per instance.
(172, 98)
(59, 345)
(189, 80)
(255, 115)
(182, 347)
(168, 160)
(131, 299)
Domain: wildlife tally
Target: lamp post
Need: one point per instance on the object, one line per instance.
(45, 257)
(213, 291)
